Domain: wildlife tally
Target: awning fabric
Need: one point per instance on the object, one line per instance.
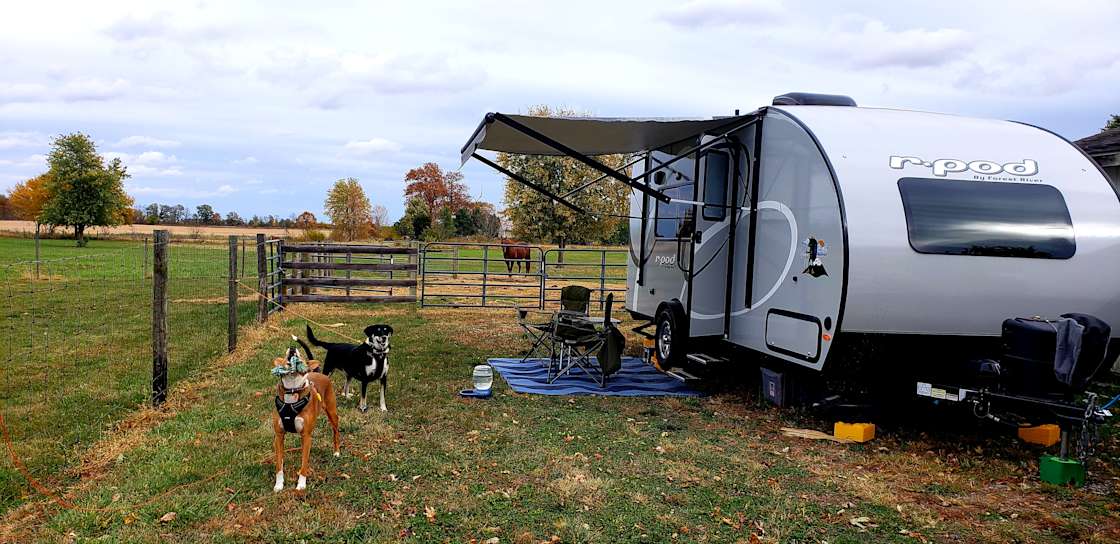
(589, 135)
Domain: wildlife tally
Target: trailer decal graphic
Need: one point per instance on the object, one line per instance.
(943, 167)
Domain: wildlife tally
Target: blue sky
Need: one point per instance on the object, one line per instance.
(258, 107)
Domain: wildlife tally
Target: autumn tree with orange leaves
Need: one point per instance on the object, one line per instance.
(438, 189)
(27, 198)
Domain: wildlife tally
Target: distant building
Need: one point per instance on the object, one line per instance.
(1105, 149)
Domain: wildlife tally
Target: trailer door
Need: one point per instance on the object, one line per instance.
(718, 172)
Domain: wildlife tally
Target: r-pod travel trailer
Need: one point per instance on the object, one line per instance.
(819, 235)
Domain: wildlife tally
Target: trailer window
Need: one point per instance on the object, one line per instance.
(717, 165)
(957, 217)
(671, 215)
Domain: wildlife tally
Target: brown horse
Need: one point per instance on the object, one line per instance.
(514, 252)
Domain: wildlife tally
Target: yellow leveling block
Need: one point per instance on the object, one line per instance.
(856, 432)
(1043, 435)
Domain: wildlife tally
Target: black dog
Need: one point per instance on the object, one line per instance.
(364, 362)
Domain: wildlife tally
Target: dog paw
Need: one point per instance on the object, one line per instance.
(302, 483)
(384, 409)
(363, 409)
(337, 454)
(279, 483)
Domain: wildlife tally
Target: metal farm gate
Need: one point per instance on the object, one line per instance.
(467, 275)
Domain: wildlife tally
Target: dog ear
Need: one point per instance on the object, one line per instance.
(370, 330)
(388, 329)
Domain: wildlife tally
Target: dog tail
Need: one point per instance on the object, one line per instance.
(306, 348)
(311, 338)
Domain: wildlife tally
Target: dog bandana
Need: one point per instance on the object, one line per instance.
(294, 365)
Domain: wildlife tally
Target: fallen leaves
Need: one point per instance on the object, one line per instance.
(168, 517)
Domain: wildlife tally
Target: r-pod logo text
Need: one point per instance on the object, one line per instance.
(662, 260)
(941, 167)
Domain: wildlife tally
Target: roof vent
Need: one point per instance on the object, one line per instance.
(813, 99)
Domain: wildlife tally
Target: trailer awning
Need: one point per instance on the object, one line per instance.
(587, 136)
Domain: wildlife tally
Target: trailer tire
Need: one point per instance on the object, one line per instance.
(671, 336)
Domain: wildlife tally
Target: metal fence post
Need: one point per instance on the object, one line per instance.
(262, 280)
(456, 261)
(232, 303)
(37, 258)
(485, 270)
(542, 270)
(602, 276)
(144, 271)
(159, 318)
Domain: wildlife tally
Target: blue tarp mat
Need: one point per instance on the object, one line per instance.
(634, 379)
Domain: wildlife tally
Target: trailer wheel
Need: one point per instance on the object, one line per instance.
(671, 336)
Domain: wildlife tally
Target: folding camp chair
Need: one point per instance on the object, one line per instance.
(575, 299)
(539, 333)
(579, 338)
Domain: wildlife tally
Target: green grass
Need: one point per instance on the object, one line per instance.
(519, 468)
(76, 342)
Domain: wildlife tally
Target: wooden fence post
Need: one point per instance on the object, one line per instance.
(414, 261)
(262, 279)
(159, 318)
(304, 273)
(232, 334)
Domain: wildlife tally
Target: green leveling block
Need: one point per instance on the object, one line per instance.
(1055, 470)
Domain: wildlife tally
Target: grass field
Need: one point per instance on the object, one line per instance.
(514, 468)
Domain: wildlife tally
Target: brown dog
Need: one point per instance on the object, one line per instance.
(300, 395)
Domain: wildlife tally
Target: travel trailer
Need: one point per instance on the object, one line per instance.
(809, 231)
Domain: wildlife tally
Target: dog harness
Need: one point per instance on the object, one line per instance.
(289, 410)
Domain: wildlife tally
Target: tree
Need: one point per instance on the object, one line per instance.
(151, 214)
(349, 210)
(233, 219)
(536, 217)
(84, 191)
(204, 214)
(438, 189)
(6, 208)
(306, 220)
(1113, 122)
(416, 219)
(27, 198)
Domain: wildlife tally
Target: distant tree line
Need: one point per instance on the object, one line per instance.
(205, 215)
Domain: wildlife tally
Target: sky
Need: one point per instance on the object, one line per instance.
(259, 107)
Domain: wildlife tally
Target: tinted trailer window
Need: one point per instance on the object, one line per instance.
(955, 217)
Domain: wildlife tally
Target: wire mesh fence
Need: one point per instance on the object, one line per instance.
(76, 333)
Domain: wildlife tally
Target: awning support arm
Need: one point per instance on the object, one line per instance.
(528, 183)
(695, 149)
(578, 156)
(601, 178)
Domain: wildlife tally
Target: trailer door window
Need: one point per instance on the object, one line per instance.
(957, 217)
(671, 215)
(717, 166)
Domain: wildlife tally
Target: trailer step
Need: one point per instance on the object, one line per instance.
(704, 359)
(681, 374)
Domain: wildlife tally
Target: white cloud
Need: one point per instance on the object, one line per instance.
(10, 140)
(179, 191)
(246, 160)
(372, 146)
(870, 43)
(146, 141)
(705, 13)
